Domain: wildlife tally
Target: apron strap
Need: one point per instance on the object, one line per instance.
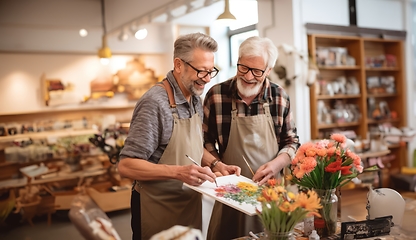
(233, 109)
(165, 84)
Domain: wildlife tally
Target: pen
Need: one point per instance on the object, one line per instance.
(251, 170)
(199, 165)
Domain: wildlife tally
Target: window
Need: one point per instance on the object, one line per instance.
(236, 38)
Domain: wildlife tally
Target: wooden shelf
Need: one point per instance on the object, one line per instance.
(42, 135)
(360, 48)
(342, 67)
(382, 69)
(337, 125)
(370, 154)
(381, 95)
(337, 96)
(374, 121)
(81, 107)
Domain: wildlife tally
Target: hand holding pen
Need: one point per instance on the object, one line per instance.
(199, 179)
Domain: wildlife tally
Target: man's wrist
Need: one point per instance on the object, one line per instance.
(214, 163)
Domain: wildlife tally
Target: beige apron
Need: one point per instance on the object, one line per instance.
(254, 137)
(167, 203)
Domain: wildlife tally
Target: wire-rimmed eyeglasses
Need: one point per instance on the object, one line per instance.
(255, 71)
(203, 73)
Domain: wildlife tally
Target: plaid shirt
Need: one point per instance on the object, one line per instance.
(217, 115)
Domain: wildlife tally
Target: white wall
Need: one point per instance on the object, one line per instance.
(385, 14)
(20, 87)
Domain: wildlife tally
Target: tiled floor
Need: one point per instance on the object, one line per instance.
(61, 228)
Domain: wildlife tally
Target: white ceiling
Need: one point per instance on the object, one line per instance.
(53, 25)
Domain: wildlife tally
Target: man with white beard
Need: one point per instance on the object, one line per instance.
(248, 117)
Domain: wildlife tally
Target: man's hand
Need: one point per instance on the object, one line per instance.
(271, 169)
(194, 175)
(222, 169)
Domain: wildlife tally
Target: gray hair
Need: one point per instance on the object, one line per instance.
(185, 44)
(259, 47)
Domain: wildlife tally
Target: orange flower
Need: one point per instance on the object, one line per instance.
(271, 181)
(325, 164)
(309, 201)
(286, 207)
(339, 138)
(282, 209)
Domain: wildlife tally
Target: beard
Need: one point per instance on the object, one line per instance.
(190, 85)
(248, 91)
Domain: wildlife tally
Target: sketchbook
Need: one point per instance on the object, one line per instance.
(208, 188)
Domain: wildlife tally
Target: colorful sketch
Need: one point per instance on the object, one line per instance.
(242, 192)
(237, 192)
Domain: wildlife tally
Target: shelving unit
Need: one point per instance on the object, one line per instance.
(43, 135)
(361, 48)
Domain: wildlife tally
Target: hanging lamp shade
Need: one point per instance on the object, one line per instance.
(104, 53)
(226, 17)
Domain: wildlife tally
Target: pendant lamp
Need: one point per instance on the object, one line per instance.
(104, 53)
(226, 18)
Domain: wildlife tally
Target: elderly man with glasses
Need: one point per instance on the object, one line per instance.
(165, 128)
(248, 119)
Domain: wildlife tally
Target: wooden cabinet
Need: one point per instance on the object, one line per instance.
(376, 68)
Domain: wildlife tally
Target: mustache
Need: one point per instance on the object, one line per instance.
(200, 82)
(247, 81)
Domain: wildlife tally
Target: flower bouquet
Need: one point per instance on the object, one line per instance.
(323, 166)
(282, 209)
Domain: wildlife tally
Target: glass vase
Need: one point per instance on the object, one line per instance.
(326, 225)
(278, 235)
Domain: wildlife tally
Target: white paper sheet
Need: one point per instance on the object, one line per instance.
(208, 189)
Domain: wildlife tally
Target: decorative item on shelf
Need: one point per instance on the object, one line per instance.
(135, 79)
(56, 93)
(324, 166)
(73, 148)
(333, 56)
(387, 60)
(111, 147)
(283, 208)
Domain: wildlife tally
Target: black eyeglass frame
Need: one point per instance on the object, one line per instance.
(251, 69)
(198, 72)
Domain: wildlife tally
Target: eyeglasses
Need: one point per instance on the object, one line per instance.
(255, 71)
(203, 73)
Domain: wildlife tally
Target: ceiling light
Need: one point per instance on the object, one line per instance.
(123, 35)
(169, 16)
(208, 2)
(105, 52)
(226, 18)
(189, 7)
(141, 34)
(83, 32)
